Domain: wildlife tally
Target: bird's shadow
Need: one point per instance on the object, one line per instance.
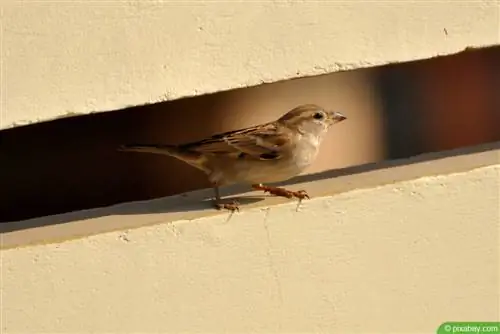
(189, 205)
(195, 202)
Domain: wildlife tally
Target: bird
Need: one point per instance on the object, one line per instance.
(267, 153)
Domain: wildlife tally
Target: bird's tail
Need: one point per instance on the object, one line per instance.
(150, 148)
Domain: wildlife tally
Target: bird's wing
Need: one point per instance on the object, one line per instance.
(261, 142)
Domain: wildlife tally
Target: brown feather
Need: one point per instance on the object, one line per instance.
(263, 142)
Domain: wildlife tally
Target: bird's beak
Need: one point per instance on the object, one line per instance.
(336, 117)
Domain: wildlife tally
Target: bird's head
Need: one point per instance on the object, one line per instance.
(310, 118)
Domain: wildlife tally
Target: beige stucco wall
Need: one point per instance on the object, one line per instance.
(66, 58)
(400, 257)
(393, 249)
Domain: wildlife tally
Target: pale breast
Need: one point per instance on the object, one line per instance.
(251, 171)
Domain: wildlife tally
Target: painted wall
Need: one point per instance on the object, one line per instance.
(400, 257)
(399, 249)
(71, 58)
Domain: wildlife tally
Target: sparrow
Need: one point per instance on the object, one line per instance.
(266, 153)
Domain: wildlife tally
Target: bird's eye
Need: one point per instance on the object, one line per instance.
(318, 115)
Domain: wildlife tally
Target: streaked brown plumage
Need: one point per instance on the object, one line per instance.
(271, 152)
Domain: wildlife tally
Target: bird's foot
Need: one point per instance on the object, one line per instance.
(231, 206)
(282, 192)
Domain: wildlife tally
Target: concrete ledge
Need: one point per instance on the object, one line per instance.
(95, 58)
(194, 205)
(388, 250)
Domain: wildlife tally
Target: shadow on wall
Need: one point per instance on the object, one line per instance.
(394, 111)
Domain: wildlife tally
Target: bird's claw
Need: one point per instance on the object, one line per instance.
(282, 192)
(301, 194)
(232, 206)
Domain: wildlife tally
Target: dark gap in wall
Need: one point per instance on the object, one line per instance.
(395, 111)
(400, 108)
(442, 103)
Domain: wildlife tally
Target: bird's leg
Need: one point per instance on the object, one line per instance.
(232, 206)
(282, 192)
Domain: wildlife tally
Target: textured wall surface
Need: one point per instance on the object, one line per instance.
(394, 250)
(398, 258)
(65, 58)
